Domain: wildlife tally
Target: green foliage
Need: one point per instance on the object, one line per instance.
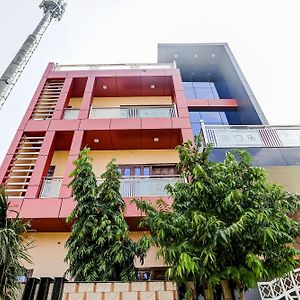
(13, 249)
(99, 247)
(227, 222)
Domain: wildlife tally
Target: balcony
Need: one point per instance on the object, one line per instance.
(146, 186)
(134, 112)
(71, 114)
(251, 136)
(51, 187)
(130, 187)
(103, 67)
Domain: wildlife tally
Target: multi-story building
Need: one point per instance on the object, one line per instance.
(137, 114)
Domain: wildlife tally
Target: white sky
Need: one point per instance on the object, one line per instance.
(263, 35)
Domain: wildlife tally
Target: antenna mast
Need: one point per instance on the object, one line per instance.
(53, 9)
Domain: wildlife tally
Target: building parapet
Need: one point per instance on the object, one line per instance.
(103, 67)
(252, 136)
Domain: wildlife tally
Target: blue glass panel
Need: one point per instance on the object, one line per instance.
(233, 117)
(264, 156)
(291, 156)
(146, 171)
(223, 118)
(211, 117)
(190, 93)
(223, 91)
(202, 84)
(196, 128)
(215, 93)
(187, 84)
(267, 156)
(127, 172)
(261, 156)
(195, 116)
(218, 155)
(204, 93)
(137, 171)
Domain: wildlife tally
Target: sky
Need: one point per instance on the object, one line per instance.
(262, 34)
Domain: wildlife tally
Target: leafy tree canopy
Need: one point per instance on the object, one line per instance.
(99, 247)
(227, 221)
(13, 249)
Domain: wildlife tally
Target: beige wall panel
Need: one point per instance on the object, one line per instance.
(48, 254)
(287, 176)
(102, 158)
(118, 101)
(151, 259)
(75, 102)
(59, 160)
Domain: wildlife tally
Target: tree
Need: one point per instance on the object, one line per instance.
(227, 224)
(99, 247)
(13, 249)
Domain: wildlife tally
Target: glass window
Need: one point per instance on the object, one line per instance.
(211, 117)
(127, 172)
(204, 93)
(224, 118)
(195, 116)
(137, 171)
(190, 93)
(187, 84)
(196, 128)
(233, 117)
(202, 84)
(146, 171)
(200, 90)
(215, 93)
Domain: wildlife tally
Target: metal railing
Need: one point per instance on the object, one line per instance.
(137, 186)
(45, 106)
(129, 66)
(130, 186)
(71, 113)
(257, 136)
(51, 187)
(287, 287)
(134, 112)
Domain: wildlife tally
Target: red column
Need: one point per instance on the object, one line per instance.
(87, 99)
(65, 191)
(182, 108)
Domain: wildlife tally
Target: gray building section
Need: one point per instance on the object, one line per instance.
(215, 63)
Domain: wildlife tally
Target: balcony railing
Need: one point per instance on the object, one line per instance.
(135, 66)
(51, 187)
(146, 186)
(239, 136)
(134, 112)
(130, 187)
(71, 113)
(138, 186)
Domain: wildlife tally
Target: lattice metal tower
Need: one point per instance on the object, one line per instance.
(53, 9)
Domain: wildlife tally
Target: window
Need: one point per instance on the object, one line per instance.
(51, 171)
(200, 90)
(209, 118)
(147, 170)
